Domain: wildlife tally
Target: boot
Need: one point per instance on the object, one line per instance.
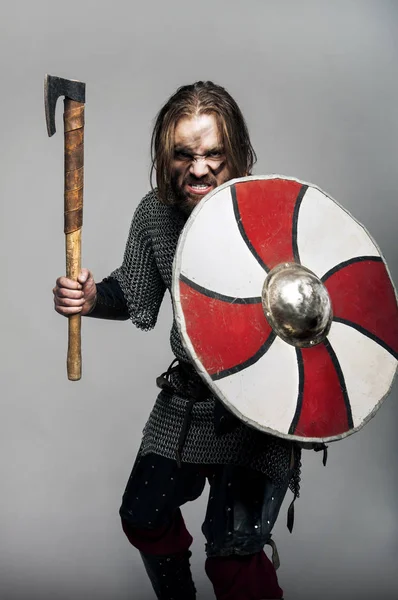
(170, 576)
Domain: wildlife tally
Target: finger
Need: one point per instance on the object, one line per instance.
(69, 302)
(67, 311)
(65, 282)
(66, 293)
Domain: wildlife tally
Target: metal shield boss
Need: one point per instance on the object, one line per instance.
(286, 308)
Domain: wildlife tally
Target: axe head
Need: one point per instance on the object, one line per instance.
(54, 87)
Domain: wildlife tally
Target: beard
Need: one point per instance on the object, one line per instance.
(184, 200)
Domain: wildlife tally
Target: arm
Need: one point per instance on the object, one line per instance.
(110, 301)
(134, 291)
(104, 300)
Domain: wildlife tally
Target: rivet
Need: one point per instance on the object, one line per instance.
(268, 522)
(272, 498)
(256, 527)
(146, 483)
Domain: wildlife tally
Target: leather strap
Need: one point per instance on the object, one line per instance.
(74, 165)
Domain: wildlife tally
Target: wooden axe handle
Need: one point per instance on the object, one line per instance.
(73, 219)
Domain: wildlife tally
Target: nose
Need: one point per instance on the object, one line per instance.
(199, 168)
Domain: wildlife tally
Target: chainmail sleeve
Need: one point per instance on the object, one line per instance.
(138, 276)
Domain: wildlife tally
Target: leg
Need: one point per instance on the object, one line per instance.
(250, 577)
(153, 523)
(242, 509)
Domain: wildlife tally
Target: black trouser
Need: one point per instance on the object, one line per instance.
(242, 508)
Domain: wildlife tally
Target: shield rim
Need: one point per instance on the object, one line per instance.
(181, 325)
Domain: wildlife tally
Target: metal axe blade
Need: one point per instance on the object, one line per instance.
(54, 87)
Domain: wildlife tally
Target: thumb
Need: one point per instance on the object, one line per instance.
(84, 276)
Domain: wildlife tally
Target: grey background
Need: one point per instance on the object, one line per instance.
(317, 83)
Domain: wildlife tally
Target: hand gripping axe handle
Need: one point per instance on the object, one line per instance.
(74, 100)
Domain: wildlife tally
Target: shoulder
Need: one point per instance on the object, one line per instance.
(152, 215)
(151, 205)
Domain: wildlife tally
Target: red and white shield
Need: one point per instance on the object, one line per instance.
(228, 264)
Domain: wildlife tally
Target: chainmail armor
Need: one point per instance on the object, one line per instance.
(144, 276)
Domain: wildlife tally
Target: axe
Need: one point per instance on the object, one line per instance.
(74, 99)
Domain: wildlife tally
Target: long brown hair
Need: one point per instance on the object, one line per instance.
(202, 97)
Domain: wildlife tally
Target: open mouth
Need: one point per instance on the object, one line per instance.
(200, 189)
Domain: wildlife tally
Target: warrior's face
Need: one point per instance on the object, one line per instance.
(199, 163)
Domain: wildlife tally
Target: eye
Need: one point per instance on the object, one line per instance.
(182, 155)
(215, 154)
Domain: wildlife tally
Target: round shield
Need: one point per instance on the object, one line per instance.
(285, 306)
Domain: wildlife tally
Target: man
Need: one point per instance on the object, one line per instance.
(200, 140)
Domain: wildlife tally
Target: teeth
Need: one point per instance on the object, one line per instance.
(201, 186)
